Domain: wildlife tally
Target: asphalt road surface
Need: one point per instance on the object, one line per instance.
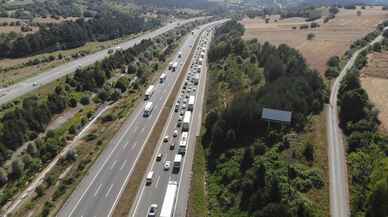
(19, 89)
(99, 191)
(154, 193)
(339, 193)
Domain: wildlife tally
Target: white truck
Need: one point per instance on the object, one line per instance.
(177, 163)
(163, 77)
(174, 66)
(183, 143)
(170, 65)
(195, 79)
(149, 92)
(169, 200)
(200, 60)
(148, 107)
(186, 121)
(190, 105)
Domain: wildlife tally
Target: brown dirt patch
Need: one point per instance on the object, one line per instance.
(332, 38)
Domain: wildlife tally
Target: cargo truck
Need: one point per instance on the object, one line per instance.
(186, 121)
(148, 107)
(149, 92)
(169, 200)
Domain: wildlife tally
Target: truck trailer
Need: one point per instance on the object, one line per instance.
(149, 92)
(169, 200)
(186, 121)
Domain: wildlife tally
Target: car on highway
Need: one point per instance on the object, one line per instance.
(165, 139)
(159, 156)
(152, 210)
(175, 133)
(35, 83)
(172, 146)
(182, 112)
(167, 165)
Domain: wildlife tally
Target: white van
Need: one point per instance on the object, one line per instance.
(149, 177)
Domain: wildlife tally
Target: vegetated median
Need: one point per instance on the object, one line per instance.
(127, 198)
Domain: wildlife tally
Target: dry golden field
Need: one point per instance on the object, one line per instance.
(332, 38)
(374, 79)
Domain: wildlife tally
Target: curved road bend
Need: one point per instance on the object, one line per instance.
(19, 89)
(100, 190)
(339, 193)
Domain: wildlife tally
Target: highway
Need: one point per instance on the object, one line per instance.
(339, 193)
(154, 193)
(99, 191)
(19, 89)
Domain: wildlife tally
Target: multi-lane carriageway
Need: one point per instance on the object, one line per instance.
(99, 191)
(154, 193)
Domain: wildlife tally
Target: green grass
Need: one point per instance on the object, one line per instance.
(198, 206)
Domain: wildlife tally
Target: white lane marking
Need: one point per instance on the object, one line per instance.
(138, 199)
(134, 146)
(98, 190)
(103, 165)
(113, 165)
(122, 165)
(157, 182)
(110, 188)
(137, 157)
(187, 151)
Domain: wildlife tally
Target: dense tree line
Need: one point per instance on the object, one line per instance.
(24, 122)
(198, 4)
(310, 13)
(367, 148)
(71, 34)
(248, 175)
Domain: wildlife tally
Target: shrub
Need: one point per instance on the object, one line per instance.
(85, 100)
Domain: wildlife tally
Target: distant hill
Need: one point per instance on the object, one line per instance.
(174, 3)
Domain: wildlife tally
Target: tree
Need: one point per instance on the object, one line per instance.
(308, 152)
(39, 191)
(122, 84)
(331, 72)
(73, 102)
(377, 203)
(352, 106)
(17, 168)
(274, 68)
(310, 36)
(334, 61)
(3, 176)
(85, 100)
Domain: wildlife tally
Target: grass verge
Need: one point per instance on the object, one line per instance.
(317, 136)
(197, 205)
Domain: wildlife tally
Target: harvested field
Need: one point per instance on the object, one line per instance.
(332, 38)
(374, 80)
